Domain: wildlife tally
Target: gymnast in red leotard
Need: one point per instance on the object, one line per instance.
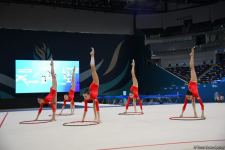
(51, 97)
(134, 91)
(70, 96)
(193, 89)
(92, 93)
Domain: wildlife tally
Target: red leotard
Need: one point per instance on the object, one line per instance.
(71, 94)
(134, 89)
(93, 88)
(193, 87)
(49, 100)
(70, 97)
(51, 95)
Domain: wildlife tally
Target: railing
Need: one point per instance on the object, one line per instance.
(146, 99)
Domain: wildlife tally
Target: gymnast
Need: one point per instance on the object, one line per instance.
(70, 96)
(92, 93)
(133, 91)
(192, 93)
(51, 98)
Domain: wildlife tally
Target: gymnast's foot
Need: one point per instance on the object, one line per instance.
(92, 51)
(195, 115)
(133, 62)
(53, 119)
(203, 116)
(181, 115)
(192, 51)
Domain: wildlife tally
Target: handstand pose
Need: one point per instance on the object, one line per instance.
(133, 91)
(70, 96)
(92, 93)
(51, 97)
(193, 89)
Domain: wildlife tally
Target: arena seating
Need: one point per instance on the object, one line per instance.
(184, 72)
(216, 73)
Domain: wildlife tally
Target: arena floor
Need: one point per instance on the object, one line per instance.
(153, 130)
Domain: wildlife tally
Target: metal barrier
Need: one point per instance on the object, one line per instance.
(146, 99)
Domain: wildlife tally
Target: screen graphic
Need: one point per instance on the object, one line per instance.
(34, 76)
